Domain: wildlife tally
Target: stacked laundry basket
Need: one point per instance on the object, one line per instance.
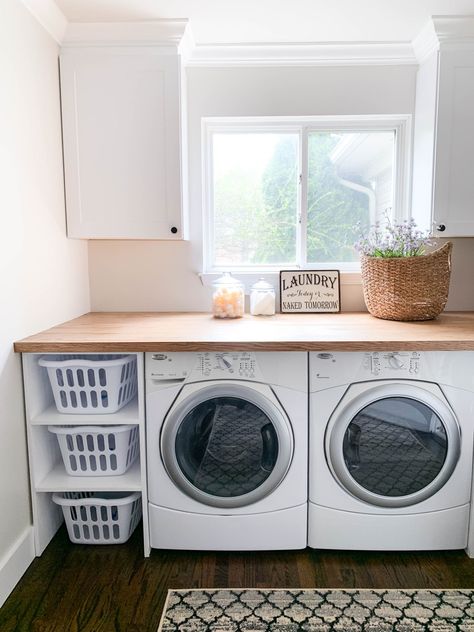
(96, 387)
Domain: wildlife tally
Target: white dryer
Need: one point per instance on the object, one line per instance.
(227, 450)
(391, 443)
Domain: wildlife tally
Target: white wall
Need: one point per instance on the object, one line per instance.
(461, 288)
(163, 276)
(43, 276)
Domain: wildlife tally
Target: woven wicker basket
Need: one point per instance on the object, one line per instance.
(407, 288)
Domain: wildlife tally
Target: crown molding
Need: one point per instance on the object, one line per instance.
(305, 54)
(426, 42)
(454, 28)
(174, 35)
(164, 33)
(444, 31)
(51, 18)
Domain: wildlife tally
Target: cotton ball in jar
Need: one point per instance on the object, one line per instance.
(228, 297)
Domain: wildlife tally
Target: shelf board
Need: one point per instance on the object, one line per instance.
(126, 415)
(58, 481)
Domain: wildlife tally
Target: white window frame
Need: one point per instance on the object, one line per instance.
(303, 126)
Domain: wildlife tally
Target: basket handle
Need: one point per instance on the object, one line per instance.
(444, 251)
(93, 430)
(81, 362)
(95, 500)
(450, 252)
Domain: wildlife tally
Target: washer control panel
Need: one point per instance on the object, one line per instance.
(396, 362)
(239, 365)
(171, 367)
(168, 366)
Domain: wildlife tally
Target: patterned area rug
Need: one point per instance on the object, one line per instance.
(318, 610)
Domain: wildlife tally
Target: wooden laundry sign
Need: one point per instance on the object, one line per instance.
(309, 291)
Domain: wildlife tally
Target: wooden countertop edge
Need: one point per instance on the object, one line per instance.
(131, 347)
(97, 332)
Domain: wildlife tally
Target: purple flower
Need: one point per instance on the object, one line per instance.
(394, 239)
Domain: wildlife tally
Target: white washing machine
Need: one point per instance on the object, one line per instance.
(227, 450)
(391, 443)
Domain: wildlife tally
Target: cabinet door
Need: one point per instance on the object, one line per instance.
(121, 134)
(454, 182)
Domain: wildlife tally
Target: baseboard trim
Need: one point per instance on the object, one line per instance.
(15, 562)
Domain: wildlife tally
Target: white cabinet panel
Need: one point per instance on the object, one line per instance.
(443, 184)
(453, 204)
(121, 134)
(424, 142)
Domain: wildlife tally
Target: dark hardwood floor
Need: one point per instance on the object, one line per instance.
(74, 588)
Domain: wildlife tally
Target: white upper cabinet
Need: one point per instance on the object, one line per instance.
(453, 203)
(121, 109)
(443, 182)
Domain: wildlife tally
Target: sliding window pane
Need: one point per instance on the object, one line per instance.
(350, 182)
(254, 199)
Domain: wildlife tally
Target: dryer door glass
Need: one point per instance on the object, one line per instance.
(226, 446)
(395, 446)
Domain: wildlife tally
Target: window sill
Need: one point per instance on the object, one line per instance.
(349, 277)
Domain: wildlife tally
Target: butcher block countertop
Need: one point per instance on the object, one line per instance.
(147, 331)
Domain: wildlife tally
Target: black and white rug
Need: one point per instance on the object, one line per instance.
(318, 610)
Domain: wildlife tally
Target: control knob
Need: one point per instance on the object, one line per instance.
(227, 360)
(395, 362)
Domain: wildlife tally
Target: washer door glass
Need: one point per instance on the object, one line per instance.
(395, 446)
(226, 446)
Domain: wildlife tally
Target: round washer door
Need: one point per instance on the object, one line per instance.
(227, 445)
(393, 445)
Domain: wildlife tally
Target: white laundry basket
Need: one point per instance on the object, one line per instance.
(91, 384)
(97, 450)
(100, 517)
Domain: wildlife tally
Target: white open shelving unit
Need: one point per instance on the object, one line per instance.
(47, 471)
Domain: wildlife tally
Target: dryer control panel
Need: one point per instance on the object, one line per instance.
(451, 368)
(333, 369)
(405, 363)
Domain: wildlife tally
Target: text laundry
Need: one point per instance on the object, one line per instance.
(311, 278)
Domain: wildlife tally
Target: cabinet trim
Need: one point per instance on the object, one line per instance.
(166, 33)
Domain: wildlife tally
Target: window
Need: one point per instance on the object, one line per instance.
(292, 193)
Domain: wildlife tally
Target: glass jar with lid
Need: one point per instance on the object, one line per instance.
(228, 299)
(262, 299)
